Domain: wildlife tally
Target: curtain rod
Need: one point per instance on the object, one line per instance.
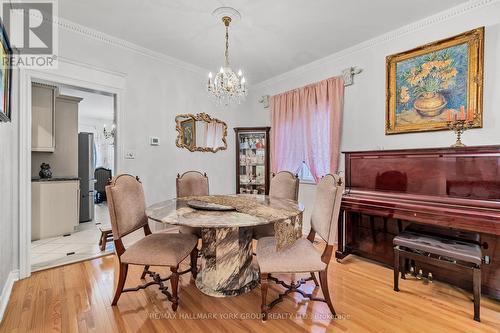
(347, 74)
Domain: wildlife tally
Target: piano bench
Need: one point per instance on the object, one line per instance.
(438, 251)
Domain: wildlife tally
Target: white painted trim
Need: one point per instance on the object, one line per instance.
(7, 290)
(440, 17)
(73, 73)
(118, 42)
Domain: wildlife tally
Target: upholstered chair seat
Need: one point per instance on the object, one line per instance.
(191, 183)
(160, 249)
(300, 257)
(284, 185)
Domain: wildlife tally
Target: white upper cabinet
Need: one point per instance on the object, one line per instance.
(43, 117)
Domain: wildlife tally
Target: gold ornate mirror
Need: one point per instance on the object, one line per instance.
(200, 132)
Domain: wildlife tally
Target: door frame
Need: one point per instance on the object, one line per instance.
(71, 73)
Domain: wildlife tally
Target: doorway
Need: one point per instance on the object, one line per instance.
(69, 74)
(65, 227)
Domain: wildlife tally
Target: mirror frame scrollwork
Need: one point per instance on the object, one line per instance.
(198, 117)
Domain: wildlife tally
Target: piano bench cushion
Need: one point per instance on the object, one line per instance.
(445, 247)
(467, 236)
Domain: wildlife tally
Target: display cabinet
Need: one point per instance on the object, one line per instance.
(252, 160)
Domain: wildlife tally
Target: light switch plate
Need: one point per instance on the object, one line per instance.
(130, 155)
(154, 141)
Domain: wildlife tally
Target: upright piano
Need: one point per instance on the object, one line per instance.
(447, 188)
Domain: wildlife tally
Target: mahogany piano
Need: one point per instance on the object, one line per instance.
(450, 188)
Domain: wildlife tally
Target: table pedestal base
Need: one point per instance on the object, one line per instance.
(226, 263)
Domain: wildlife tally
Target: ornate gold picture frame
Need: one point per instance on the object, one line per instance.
(430, 84)
(215, 129)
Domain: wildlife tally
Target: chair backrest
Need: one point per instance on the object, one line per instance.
(284, 185)
(326, 208)
(191, 183)
(126, 204)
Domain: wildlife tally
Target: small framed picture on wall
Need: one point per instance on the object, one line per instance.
(5, 75)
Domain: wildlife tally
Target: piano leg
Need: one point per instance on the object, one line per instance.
(341, 252)
(372, 229)
(396, 268)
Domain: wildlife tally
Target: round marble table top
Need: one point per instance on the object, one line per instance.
(176, 211)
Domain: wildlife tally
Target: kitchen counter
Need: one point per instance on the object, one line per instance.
(54, 179)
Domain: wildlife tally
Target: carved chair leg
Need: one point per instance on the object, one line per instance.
(263, 291)
(143, 275)
(476, 286)
(194, 262)
(313, 276)
(174, 282)
(323, 278)
(121, 282)
(396, 269)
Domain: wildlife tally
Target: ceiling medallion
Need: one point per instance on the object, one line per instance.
(227, 87)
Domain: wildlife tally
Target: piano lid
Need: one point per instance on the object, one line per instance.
(467, 173)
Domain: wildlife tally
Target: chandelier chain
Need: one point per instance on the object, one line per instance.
(226, 54)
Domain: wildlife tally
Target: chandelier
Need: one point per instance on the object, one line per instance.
(109, 134)
(227, 87)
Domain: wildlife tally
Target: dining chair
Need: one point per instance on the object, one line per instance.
(191, 183)
(302, 256)
(284, 185)
(127, 205)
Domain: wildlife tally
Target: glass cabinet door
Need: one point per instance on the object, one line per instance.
(252, 171)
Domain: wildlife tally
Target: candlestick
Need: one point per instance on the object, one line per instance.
(459, 126)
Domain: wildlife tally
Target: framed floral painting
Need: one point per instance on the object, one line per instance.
(429, 85)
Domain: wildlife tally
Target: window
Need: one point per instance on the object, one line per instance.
(305, 174)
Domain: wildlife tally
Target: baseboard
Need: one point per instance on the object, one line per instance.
(6, 291)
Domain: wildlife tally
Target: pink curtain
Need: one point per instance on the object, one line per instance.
(306, 127)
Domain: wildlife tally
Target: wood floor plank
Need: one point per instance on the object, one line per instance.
(76, 298)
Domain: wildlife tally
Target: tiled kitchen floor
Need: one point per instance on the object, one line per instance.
(84, 244)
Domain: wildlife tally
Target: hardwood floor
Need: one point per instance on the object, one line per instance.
(77, 298)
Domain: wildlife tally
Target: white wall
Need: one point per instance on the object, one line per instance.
(156, 92)
(9, 191)
(364, 110)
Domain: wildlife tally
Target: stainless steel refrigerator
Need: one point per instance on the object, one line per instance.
(86, 167)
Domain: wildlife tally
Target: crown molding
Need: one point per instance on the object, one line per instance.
(381, 39)
(118, 42)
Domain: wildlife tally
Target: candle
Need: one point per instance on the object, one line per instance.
(449, 115)
(462, 112)
(470, 115)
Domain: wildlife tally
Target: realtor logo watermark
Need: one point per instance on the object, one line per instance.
(30, 27)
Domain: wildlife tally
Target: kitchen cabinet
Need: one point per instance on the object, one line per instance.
(55, 207)
(43, 117)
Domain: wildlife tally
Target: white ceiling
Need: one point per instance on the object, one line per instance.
(273, 37)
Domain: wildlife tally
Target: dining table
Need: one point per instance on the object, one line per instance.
(227, 222)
